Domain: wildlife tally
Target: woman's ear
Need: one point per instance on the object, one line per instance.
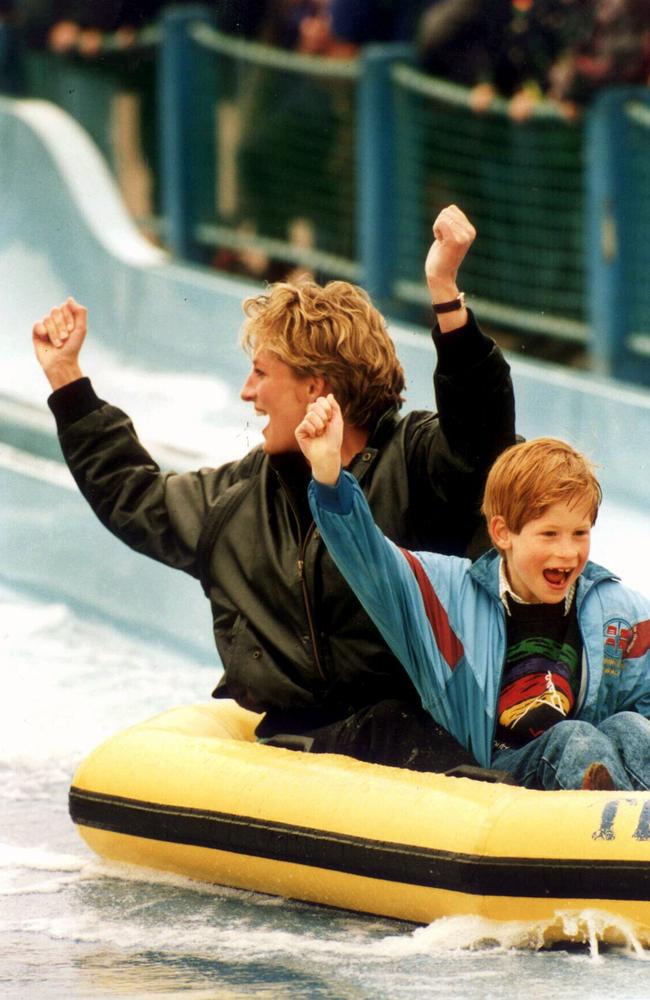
(317, 386)
(500, 533)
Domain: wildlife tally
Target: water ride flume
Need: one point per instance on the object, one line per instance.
(191, 792)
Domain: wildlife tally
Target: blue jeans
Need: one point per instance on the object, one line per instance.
(560, 756)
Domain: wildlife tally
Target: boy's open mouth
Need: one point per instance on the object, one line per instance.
(557, 577)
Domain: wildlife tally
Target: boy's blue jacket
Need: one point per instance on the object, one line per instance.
(443, 618)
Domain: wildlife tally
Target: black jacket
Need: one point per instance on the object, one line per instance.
(291, 635)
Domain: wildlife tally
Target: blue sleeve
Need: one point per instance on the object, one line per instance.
(636, 662)
(383, 578)
(615, 624)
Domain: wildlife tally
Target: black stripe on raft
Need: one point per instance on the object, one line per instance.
(468, 873)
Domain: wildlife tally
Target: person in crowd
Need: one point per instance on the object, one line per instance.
(104, 37)
(334, 28)
(32, 19)
(534, 658)
(460, 40)
(81, 27)
(294, 642)
(615, 51)
(356, 23)
(271, 22)
(505, 48)
(265, 153)
(9, 69)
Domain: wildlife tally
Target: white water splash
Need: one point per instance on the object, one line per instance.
(473, 932)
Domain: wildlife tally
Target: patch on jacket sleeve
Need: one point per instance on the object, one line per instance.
(447, 641)
(639, 640)
(617, 635)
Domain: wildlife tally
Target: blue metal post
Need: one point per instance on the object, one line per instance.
(376, 168)
(607, 228)
(178, 152)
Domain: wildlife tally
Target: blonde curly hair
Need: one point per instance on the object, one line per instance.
(331, 330)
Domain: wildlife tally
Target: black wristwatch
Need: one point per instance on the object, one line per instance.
(447, 307)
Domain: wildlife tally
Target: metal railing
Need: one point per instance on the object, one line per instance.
(340, 166)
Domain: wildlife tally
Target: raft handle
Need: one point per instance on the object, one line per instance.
(289, 741)
(476, 773)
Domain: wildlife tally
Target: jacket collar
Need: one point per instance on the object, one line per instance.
(384, 427)
(592, 574)
(294, 471)
(382, 432)
(486, 573)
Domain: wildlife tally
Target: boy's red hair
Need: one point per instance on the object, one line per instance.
(530, 477)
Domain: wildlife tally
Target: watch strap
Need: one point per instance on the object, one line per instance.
(447, 307)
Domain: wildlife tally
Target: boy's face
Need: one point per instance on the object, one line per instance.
(548, 554)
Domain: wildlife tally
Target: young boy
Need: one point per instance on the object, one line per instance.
(535, 659)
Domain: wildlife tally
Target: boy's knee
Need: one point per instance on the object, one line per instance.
(570, 732)
(577, 742)
(625, 724)
(572, 745)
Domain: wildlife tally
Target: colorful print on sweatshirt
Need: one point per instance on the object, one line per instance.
(541, 675)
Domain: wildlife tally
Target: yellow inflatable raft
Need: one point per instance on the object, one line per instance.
(189, 791)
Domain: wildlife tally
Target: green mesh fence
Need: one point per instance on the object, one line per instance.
(522, 185)
(284, 154)
(639, 250)
(81, 88)
(281, 168)
(114, 98)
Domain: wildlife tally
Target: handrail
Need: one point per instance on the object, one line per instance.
(274, 58)
(453, 93)
(547, 194)
(280, 249)
(639, 113)
(558, 327)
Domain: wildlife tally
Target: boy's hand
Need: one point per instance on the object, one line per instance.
(57, 340)
(320, 435)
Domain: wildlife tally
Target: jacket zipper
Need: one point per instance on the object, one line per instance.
(302, 581)
(306, 601)
(495, 720)
(581, 698)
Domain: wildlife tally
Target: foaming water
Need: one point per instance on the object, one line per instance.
(71, 683)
